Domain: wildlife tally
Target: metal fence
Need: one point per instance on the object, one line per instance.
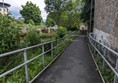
(100, 54)
(26, 61)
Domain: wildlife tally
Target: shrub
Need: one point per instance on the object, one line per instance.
(9, 39)
(32, 38)
(61, 32)
(48, 36)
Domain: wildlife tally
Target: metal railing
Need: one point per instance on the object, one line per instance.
(26, 61)
(102, 51)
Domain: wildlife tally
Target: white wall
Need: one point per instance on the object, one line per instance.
(106, 39)
(3, 10)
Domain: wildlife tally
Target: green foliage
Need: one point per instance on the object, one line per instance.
(64, 13)
(85, 10)
(35, 66)
(55, 7)
(46, 36)
(32, 38)
(9, 39)
(108, 74)
(61, 32)
(31, 12)
(50, 21)
(31, 22)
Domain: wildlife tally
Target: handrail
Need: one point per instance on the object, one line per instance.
(114, 52)
(93, 42)
(27, 48)
(25, 57)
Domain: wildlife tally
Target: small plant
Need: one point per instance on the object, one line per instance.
(61, 32)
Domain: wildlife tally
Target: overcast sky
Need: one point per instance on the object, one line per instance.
(16, 7)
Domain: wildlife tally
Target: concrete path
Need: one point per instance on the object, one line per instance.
(75, 65)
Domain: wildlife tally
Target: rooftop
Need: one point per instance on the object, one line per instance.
(6, 4)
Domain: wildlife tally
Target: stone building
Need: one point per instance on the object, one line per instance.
(4, 8)
(106, 22)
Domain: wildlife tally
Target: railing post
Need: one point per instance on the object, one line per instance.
(115, 77)
(43, 56)
(52, 50)
(26, 67)
(104, 64)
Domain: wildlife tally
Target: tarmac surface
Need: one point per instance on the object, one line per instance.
(75, 65)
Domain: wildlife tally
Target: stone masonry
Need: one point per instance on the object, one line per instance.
(106, 22)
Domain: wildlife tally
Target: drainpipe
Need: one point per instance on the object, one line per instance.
(91, 16)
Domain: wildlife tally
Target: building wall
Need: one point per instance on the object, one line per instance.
(3, 10)
(83, 27)
(106, 22)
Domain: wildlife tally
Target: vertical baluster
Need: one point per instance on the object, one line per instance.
(26, 67)
(52, 50)
(104, 64)
(115, 77)
(43, 56)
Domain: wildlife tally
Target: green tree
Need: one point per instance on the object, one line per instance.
(50, 21)
(55, 7)
(31, 12)
(85, 10)
(64, 12)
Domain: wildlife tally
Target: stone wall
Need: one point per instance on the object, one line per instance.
(106, 22)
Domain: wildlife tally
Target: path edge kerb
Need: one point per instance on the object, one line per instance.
(95, 63)
(49, 65)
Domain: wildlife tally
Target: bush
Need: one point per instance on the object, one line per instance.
(32, 38)
(9, 39)
(61, 32)
(48, 36)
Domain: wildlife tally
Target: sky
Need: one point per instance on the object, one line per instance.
(16, 7)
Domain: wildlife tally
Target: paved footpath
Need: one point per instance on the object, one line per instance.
(75, 65)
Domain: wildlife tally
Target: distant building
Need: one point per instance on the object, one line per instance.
(83, 26)
(4, 8)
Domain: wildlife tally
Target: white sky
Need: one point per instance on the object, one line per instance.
(16, 7)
